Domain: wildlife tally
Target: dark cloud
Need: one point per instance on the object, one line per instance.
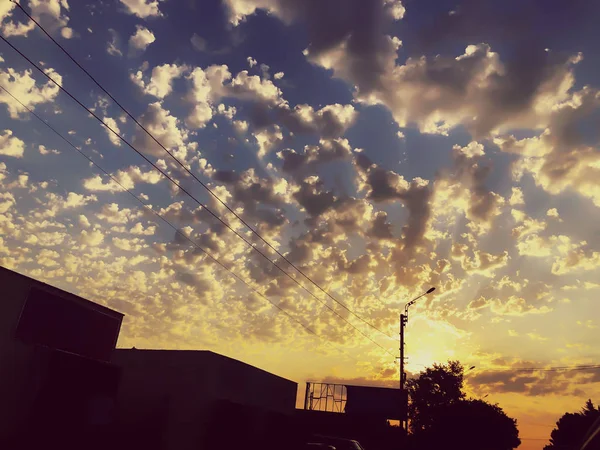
(301, 165)
(386, 186)
(292, 161)
(513, 22)
(532, 383)
(380, 227)
(256, 195)
(329, 122)
(313, 197)
(355, 25)
(199, 284)
(479, 89)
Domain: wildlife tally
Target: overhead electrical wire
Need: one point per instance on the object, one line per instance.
(543, 369)
(552, 369)
(172, 180)
(166, 221)
(184, 167)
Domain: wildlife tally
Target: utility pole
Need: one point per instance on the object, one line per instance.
(403, 393)
(403, 396)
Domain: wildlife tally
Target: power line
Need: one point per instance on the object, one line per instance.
(162, 172)
(160, 216)
(549, 369)
(184, 167)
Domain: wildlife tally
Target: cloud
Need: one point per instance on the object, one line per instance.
(536, 337)
(336, 40)
(92, 238)
(251, 61)
(142, 8)
(559, 159)
(51, 14)
(240, 126)
(112, 123)
(67, 33)
(575, 260)
(7, 201)
(165, 128)
(516, 197)
(138, 229)
(267, 139)
(83, 221)
(381, 228)
(46, 151)
(128, 178)
(383, 186)
(129, 245)
(112, 46)
(511, 377)
(463, 189)
(259, 197)
(141, 39)
(481, 263)
(329, 121)
(516, 306)
(56, 204)
(313, 197)
(252, 87)
(278, 75)
(228, 112)
(198, 43)
(471, 150)
(161, 79)
(11, 145)
(207, 87)
(111, 213)
(475, 89)
(23, 86)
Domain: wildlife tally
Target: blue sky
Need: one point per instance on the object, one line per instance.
(383, 147)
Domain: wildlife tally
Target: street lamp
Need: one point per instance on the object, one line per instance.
(403, 396)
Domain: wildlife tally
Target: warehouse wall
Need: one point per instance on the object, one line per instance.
(179, 392)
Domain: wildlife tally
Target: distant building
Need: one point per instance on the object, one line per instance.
(55, 349)
(180, 400)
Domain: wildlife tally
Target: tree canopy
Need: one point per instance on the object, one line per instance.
(572, 428)
(441, 416)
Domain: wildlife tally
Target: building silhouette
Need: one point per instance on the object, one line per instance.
(199, 399)
(56, 378)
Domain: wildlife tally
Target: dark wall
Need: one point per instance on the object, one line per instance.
(34, 319)
(53, 321)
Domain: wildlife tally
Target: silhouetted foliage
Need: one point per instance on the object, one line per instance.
(441, 416)
(572, 428)
(438, 386)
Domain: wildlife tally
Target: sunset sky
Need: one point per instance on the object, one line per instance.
(382, 147)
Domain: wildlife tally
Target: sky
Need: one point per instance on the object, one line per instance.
(381, 147)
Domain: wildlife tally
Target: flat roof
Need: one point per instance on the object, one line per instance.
(197, 353)
(62, 293)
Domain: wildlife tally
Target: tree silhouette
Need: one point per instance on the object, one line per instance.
(572, 428)
(438, 386)
(441, 416)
